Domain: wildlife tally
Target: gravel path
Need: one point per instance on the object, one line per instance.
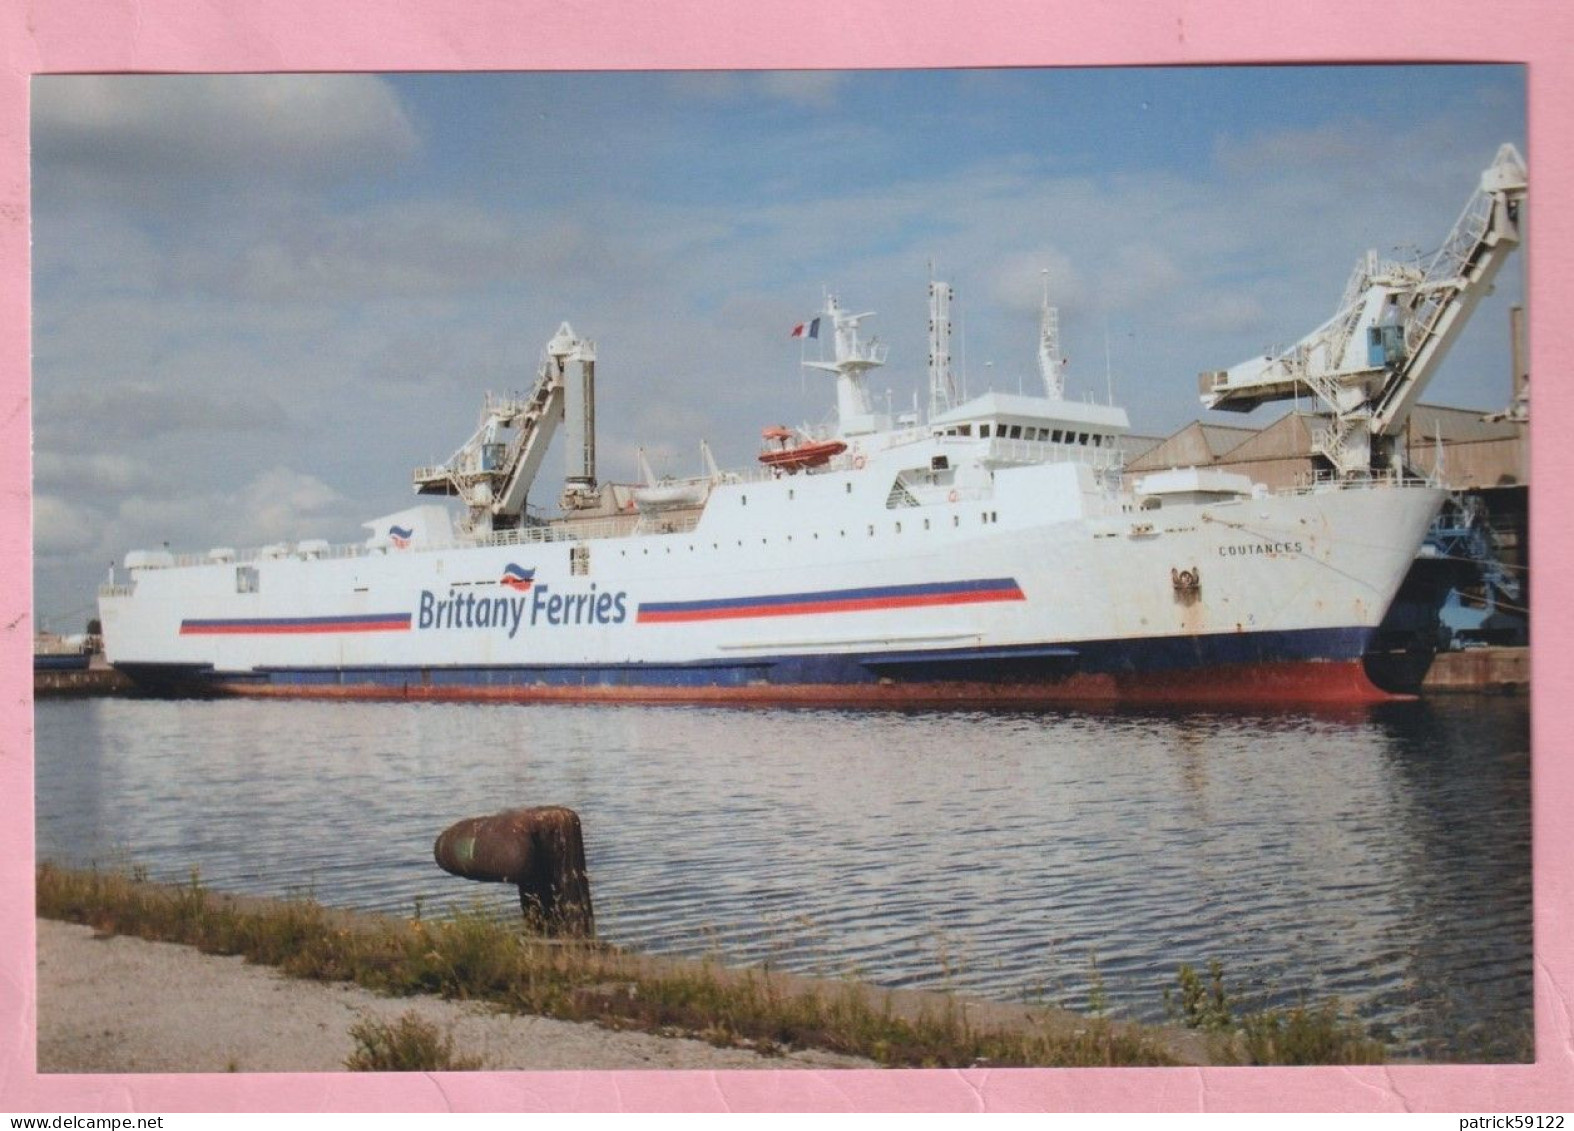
(117, 1004)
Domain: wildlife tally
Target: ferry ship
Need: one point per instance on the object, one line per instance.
(988, 552)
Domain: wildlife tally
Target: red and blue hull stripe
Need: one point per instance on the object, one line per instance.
(881, 597)
(296, 626)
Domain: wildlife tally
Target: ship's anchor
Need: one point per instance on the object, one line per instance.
(1186, 580)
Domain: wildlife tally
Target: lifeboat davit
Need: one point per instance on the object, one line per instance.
(794, 452)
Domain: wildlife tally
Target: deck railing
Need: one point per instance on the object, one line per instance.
(618, 527)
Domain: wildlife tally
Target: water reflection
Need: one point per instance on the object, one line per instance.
(1379, 856)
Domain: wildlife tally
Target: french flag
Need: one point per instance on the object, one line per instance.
(810, 329)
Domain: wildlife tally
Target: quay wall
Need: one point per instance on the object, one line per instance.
(1504, 670)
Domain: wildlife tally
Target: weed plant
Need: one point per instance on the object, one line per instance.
(471, 956)
(410, 1044)
(1301, 1035)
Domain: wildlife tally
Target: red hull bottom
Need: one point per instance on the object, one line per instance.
(1341, 683)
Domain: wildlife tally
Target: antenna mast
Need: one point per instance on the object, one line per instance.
(1050, 361)
(942, 387)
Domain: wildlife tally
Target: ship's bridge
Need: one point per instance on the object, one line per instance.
(1017, 417)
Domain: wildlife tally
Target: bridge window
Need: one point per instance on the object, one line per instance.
(247, 579)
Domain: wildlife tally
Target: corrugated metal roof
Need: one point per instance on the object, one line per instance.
(1458, 424)
(1289, 437)
(1134, 447)
(1193, 445)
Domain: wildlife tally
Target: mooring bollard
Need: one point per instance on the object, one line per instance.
(541, 850)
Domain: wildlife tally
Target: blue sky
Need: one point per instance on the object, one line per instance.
(259, 301)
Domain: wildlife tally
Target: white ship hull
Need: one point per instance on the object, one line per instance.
(1018, 583)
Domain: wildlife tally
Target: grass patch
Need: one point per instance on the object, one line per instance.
(410, 1044)
(473, 957)
(1301, 1035)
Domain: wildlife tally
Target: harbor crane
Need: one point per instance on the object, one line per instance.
(492, 472)
(1369, 363)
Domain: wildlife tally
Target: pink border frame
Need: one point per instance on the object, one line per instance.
(333, 35)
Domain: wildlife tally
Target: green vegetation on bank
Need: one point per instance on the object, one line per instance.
(1300, 1035)
(410, 1044)
(474, 957)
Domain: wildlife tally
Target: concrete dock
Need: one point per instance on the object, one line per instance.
(1501, 670)
(89, 681)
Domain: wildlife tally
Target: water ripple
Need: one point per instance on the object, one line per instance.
(1383, 859)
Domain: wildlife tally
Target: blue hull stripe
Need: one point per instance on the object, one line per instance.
(1004, 665)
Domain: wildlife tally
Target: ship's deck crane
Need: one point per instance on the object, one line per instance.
(1369, 363)
(493, 471)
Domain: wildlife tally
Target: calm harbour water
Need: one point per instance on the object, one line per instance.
(1381, 857)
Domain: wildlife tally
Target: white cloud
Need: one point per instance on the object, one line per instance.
(214, 123)
(285, 504)
(178, 143)
(1020, 279)
(1222, 313)
(817, 89)
(150, 410)
(705, 86)
(1299, 152)
(412, 248)
(1137, 275)
(810, 89)
(62, 528)
(274, 505)
(95, 472)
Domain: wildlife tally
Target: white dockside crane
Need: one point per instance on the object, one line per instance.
(1369, 363)
(493, 471)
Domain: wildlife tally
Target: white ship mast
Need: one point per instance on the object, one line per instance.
(853, 361)
(942, 386)
(1050, 362)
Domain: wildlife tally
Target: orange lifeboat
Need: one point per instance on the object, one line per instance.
(794, 452)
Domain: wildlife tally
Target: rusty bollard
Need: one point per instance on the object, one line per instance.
(541, 850)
